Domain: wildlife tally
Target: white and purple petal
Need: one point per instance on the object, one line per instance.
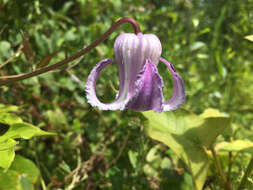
(178, 96)
(121, 99)
(148, 90)
(131, 52)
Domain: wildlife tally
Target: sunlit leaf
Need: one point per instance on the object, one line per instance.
(10, 108)
(133, 158)
(22, 174)
(9, 180)
(7, 157)
(152, 154)
(249, 37)
(25, 183)
(9, 119)
(7, 144)
(236, 146)
(187, 134)
(26, 167)
(23, 130)
(197, 45)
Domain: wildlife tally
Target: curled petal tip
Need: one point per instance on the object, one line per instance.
(178, 96)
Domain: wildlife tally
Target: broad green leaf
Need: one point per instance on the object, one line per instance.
(20, 176)
(9, 118)
(249, 37)
(7, 157)
(5, 108)
(7, 144)
(187, 134)
(23, 130)
(210, 112)
(26, 167)
(236, 146)
(214, 125)
(9, 180)
(25, 183)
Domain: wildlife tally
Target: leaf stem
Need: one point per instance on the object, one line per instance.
(246, 174)
(220, 171)
(4, 80)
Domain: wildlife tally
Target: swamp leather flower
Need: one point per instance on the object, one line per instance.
(141, 85)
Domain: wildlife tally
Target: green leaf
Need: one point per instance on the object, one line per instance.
(9, 180)
(215, 124)
(249, 37)
(26, 167)
(9, 119)
(25, 183)
(151, 156)
(5, 49)
(20, 176)
(57, 117)
(5, 108)
(23, 130)
(133, 158)
(166, 163)
(7, 157)
(236, 146)
(7, 144)
(210, 112)
(197, 45)
(187, 134)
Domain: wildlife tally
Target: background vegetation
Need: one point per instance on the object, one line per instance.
(93, 149)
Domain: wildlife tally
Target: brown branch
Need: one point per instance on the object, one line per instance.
(4, 80)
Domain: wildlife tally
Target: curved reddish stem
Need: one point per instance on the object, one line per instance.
(12, 78)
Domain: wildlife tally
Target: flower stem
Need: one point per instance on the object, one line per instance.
(246, 175)
(220, 171)
(4, 80)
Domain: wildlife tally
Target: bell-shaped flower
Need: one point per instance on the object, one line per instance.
(141, 85)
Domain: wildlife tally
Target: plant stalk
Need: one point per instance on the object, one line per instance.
(246, 175)
(4, 80)
(227, 185)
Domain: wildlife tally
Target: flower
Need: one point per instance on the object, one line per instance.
(141, 85)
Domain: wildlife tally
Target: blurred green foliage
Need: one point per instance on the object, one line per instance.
(205, 40)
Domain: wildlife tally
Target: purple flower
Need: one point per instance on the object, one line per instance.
(141, 85)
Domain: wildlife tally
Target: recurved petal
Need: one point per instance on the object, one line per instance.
(121, 99)
(148, 90)
(178, 96)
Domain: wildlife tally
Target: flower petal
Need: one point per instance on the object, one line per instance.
(178, 97)
(131, 52)
(148, 90)
(121, 98)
